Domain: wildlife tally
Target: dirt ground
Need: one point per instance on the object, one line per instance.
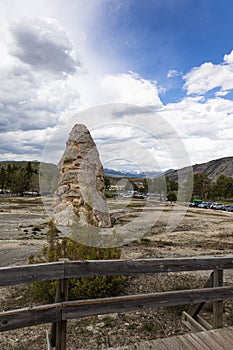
(200, 232)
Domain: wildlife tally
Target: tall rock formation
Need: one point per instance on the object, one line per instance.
(80, 196)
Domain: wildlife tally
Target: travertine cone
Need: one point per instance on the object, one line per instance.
(81, 188)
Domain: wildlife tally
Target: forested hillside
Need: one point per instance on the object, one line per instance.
(212, 180)
(21, 177)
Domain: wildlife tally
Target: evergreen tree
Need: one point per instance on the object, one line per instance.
(29, 169)
(8, 176)
(2, 179)
(201, 186)
(171, 197)
(145, 185)
(107, 182)
(172, 185)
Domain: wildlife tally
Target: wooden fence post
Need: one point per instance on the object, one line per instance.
(48, 340)
(58, 332)
(218, 305)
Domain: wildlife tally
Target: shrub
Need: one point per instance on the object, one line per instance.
(172, 197)
(79, 288)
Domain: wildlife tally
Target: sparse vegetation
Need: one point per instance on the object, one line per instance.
(149, 326)
(213, 237)
(171, 197)
(79, 288)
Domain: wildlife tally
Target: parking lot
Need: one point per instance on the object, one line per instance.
(211, 205)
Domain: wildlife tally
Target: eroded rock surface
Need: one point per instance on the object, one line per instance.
(81, 191)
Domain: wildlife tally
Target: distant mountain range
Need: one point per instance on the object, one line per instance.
(51, 169)
(117, 173)
(213, 169)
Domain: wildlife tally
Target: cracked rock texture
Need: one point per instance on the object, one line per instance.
(81, 191)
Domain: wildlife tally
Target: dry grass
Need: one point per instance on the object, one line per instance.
(201, 232)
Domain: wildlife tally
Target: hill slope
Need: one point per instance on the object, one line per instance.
(213, 168)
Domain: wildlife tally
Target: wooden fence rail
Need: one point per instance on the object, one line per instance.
(67, 269)
(63, 310)
(82, 308)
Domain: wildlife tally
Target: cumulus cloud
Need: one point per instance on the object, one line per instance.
(27, 145)
(28, 101)
(210, 76)
(32, 101)
(44, 45)
(41, 88)
(131, 88)
(228, 58)
(96, 89)
(35, 99)
(202, 126)
(143, 138)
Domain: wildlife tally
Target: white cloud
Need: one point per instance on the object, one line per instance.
(202, 126)
(173, 73)
(95, 88)
(210, 76)
(30, 101)
(33, 99)
(26, 145)
(44, 45)
(130, 88)
(125, 133)
(221, 93)
(43, 85)
(228, 58)
(40, 89)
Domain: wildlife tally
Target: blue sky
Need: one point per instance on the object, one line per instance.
(59, 58)
(154, 37)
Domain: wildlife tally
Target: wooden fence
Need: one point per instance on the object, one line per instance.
(63, 310)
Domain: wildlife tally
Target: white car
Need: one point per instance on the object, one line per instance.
(218, 206)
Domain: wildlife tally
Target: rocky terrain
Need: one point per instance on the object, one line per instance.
(201, 232)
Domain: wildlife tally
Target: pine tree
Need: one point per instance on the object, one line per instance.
(2, 179)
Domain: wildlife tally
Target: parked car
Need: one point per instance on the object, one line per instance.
(212, 205)
(218, 206)
(209, 204)
(203, 205)
(195, 203)
(230, 208)
(226, 206)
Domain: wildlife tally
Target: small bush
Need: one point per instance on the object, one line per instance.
(145, 240)
(108, 321)
(148, 326)
(79, 288)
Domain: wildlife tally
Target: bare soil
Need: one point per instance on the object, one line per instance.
(201, 232)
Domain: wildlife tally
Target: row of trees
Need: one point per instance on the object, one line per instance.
(204, 188)
(18, 179)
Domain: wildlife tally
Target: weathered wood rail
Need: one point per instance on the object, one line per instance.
(63, 310)
(69, 269)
